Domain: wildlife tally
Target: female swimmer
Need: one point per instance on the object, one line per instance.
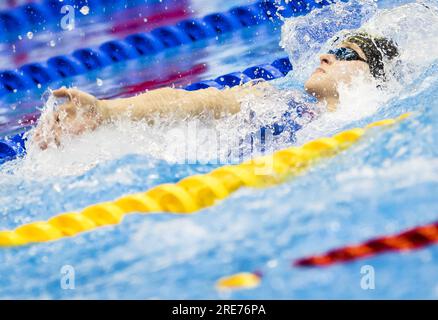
(358, 53)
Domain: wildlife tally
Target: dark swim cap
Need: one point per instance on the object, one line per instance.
(375, 48)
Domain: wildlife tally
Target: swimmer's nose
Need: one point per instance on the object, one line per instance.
(327, 58)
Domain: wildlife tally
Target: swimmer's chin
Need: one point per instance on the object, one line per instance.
(311, 89)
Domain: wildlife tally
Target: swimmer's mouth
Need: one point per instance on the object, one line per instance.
(319, 70)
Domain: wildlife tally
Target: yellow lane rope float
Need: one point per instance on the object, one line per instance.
(192, 193)
(243, 280)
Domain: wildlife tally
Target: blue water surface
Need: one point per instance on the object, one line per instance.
(384, 184)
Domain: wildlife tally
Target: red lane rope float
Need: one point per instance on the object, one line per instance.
(129, 24)
(411, 239)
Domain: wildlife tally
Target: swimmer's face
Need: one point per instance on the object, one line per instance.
(324, 81)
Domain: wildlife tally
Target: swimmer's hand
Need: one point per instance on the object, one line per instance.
(81, 112)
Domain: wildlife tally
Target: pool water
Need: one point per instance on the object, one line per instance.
(382, 185)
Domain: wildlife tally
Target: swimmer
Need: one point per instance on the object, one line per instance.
(359, 53)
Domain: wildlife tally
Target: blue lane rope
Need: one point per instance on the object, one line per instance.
(187, 31)
(46, 14)
(277, 69)
(14, 146)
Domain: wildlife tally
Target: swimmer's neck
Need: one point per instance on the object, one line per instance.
(331, 103)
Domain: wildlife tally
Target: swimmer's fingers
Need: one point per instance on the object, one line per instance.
(38, 139)
(48, 131)
(69, 93)
(61, 93)
(75, 95)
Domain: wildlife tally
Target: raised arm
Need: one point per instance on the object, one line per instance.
(175, 102)
(82, 111)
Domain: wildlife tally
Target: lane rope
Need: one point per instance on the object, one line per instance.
(408, 240)
(238, 281)
(45, 15)
(83, 60)
(192, 193)
(411, 239)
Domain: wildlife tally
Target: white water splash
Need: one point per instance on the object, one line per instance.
(303, 37)
(357, 100)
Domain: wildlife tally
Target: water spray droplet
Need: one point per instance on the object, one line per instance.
(85, 10)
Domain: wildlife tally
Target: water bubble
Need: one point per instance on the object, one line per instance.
(99, 82)
(85, 10)
(57, 187)
(272, 263)
(29, 34)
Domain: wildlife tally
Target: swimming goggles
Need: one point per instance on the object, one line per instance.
(346, 54)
